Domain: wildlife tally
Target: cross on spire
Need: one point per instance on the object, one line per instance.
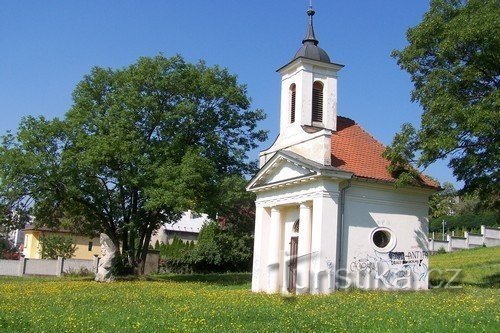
(310, 37)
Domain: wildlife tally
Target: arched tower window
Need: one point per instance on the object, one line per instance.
(292, 102)
(317, 102)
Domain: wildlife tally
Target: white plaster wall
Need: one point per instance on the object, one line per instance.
(368, 207)
(9, 267)
(41, 267)
(491, 241)
(458, 243)
(76, 265)
(261, 250)
(287, 172)
(476, 240)
(440, 244)
(317, 149)
(314, 146)
(492, 232)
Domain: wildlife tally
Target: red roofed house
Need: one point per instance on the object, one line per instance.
(328, 215)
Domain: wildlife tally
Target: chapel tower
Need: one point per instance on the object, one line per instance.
(308, 112)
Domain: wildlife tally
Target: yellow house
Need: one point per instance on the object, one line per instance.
(86, 247)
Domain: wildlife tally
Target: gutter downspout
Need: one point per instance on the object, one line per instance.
(342, 218)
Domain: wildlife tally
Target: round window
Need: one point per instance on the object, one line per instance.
(383, 239)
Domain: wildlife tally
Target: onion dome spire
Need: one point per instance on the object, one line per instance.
(310, 37)
(310, 48)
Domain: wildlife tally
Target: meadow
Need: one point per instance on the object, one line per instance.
(217, 303)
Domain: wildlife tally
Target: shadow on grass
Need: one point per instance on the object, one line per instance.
(492, 280)
(226, 279)
(489, 281)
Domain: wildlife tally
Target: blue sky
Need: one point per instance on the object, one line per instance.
(47, 47)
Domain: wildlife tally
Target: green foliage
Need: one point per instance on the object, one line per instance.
(176, 249)
(467, 221)
(7, 251)
(461, 214)
(479, 267)
(140, 145)
(121, 266)
(217, 250)
(441, 250)
(54, 246)
(175, 256)
(220, 250)
(453, 57)
(80, 272)
(443, 203)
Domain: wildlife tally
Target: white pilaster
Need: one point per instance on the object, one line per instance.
(324, 242)
(257, 249)
(304, 250)
(274, 251)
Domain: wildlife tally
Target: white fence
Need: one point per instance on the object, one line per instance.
(489, 237)
(50, 267)
(61, 266)
(9, 267)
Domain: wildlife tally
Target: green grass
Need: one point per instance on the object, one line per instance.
(479, 267)
(223, 303)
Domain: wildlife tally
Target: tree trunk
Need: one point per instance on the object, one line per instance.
(131, 252)
(145, 246)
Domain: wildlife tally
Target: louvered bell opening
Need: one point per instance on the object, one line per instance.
(317, 103)
(292, 103)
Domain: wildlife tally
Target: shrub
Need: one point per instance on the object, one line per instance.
(7, 251)
(217, 250)
(121, 266)
(56, 246)
(220, 250)
(441, 250)
(82, 271)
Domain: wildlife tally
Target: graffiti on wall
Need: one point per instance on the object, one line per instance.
(392, 268)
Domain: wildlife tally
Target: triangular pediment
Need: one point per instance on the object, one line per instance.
(280, 169)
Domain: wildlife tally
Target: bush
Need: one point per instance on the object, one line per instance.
(220, 250)
(7, 251)
(217, 251)
(175, 256)
(82, 271)
(121, 266)
(441, 250)
(56, 246)
(468, 221)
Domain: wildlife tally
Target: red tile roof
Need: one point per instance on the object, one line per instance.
(356, 151)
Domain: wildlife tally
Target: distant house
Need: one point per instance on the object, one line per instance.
(86, 247)
(16, 237)
(187, 228)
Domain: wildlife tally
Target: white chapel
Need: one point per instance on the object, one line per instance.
(328, 215)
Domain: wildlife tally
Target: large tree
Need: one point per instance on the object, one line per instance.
(139, 145)
(453, 57)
